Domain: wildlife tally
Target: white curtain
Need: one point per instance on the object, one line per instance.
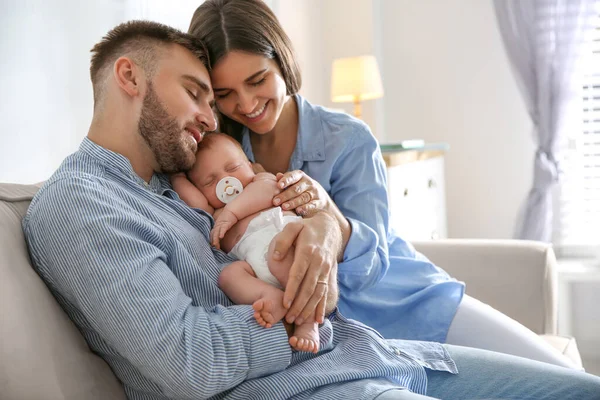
(547, 42)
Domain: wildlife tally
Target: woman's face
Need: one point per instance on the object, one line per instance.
(249, 89)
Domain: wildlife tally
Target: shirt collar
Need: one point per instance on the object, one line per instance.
(113, 160)
(311, 138)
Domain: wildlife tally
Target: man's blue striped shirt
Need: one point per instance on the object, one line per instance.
(132, 266)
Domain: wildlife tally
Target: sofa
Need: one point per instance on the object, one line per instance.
(43, 355)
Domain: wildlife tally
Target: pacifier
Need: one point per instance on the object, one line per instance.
(228, 189)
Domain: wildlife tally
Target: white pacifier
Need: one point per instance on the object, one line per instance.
(228, 189)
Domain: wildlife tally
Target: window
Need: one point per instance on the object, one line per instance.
(577, 211)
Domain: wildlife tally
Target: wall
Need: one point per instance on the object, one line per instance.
(446, 79)
(320, 33)
(303, 23)
(45, 101)
(46, 97)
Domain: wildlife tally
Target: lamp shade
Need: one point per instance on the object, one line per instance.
(355, 79)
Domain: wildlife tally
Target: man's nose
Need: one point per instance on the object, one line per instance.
(206, 121)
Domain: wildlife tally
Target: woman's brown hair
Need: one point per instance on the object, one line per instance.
(249, 26)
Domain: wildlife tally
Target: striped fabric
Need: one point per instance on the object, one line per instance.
(132, 266)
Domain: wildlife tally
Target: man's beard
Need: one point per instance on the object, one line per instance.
(164, 136)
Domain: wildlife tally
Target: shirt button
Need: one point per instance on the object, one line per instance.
(398, 352)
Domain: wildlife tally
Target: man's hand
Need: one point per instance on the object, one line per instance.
(310, 287)
(224, 221)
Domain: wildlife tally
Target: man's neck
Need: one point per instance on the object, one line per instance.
(123, 138)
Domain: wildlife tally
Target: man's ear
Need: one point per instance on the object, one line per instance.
(128, 76)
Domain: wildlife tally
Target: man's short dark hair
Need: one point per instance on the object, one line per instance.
(142, 42)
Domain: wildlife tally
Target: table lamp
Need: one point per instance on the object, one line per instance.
(355, 79)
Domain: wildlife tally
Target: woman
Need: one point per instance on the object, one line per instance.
(335, 164)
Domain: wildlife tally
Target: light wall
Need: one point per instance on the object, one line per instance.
(449, 80)
(322, 31)
(45, 101)
(446, 79)
(304, 26)
(46, 96)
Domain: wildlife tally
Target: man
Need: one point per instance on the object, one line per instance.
(132, 266)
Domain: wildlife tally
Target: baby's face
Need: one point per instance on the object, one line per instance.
(222, 159)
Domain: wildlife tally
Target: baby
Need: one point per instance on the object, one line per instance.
(222, 183)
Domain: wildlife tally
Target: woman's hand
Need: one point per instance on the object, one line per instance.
(311, 286)
(301, 193)
(308, 197)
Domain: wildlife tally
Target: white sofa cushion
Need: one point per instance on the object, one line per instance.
(567, 346)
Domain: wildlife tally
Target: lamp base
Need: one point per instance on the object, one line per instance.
(357, 108)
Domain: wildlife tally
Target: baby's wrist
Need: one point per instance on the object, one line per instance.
(229, 215)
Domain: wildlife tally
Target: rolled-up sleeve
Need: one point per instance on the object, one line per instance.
(110, 266)
(359, 189)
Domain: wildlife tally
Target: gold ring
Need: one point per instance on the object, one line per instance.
(324, 282)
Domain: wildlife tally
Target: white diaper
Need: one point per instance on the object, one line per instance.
(254, 245)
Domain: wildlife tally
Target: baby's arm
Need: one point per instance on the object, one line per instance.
(256, 196)
(189, 193)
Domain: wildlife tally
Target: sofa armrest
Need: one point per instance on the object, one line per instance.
(516, 277)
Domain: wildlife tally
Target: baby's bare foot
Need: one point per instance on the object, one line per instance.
(306, 337)
(268, 310)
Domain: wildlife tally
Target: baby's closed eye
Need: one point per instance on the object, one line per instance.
(208, 182)
(233, 168)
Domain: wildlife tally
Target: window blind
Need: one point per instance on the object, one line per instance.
(577, 211)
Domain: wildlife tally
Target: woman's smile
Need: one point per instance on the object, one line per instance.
(257, 115)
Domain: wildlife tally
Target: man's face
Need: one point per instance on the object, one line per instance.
(176, 110)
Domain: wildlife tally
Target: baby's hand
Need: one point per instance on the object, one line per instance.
(264, 176)
(223, 223)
